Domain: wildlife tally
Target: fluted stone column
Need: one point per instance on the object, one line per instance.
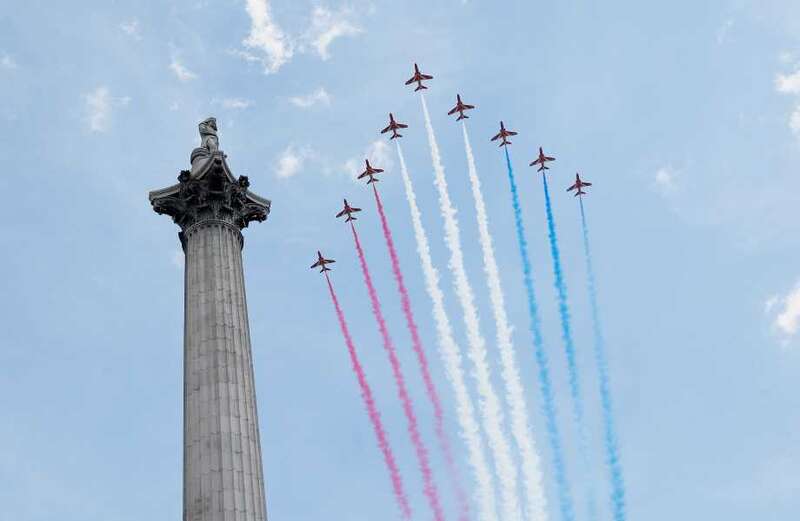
(222, 471)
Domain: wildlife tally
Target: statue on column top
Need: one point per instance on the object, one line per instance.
(209, 144)
(208, 134)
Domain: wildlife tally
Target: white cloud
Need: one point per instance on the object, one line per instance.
(327, 26)
(788, 83)
(181, 71)
(267, 37)
(272, 47)
(99, 108)
(7, 62)
(319, 96)
(236, 103)
(379, 154)
(131, 28)
(786, 322)
(794, 120)
(291, 161)
(666, 180)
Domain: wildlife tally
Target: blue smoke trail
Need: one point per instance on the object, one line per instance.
(546, 386)
(569, 349)
(612, 449)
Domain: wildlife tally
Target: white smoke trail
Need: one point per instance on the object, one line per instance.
(492, 414)
(531, 465)
(451, 357)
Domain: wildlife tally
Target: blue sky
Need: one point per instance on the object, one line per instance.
(686, 118)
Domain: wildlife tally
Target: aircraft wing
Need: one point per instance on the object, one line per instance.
(498, 136)
(387, 129)
(315, 265)
(587, 184)
(453, 111)
(341, 213)
(510, 133)
(467, 107)
(412, 80)
(573, 187)
(426, 76)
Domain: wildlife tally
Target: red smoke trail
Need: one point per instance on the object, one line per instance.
(416, 343)
(374, 415)
(413, 430)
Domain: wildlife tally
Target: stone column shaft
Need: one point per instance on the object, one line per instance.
(223, 477)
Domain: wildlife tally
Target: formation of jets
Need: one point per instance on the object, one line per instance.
(349, 211)
(370, 172)
(393, 126)
(460, 108)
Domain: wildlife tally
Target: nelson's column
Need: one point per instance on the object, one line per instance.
(222, 474)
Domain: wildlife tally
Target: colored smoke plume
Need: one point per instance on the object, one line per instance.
(451, 358)
(421, 451)
(545, 383)
(372, 410)
(492, 414)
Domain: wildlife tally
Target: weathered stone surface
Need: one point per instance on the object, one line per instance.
(210, 192)
(223, 477)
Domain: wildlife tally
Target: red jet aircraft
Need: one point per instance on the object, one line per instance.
(321, 262)
(541, 160)
(349, 210)
(418, 77)
(578, 185)
(503, 134)
(393, 126)
(460, 108)
(370, 172)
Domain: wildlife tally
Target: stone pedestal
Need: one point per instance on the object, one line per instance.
(222, 478)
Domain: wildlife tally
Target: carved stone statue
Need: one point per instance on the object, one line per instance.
(208, 135)
(209, 145)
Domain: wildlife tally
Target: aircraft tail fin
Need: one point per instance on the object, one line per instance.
(420, 87)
